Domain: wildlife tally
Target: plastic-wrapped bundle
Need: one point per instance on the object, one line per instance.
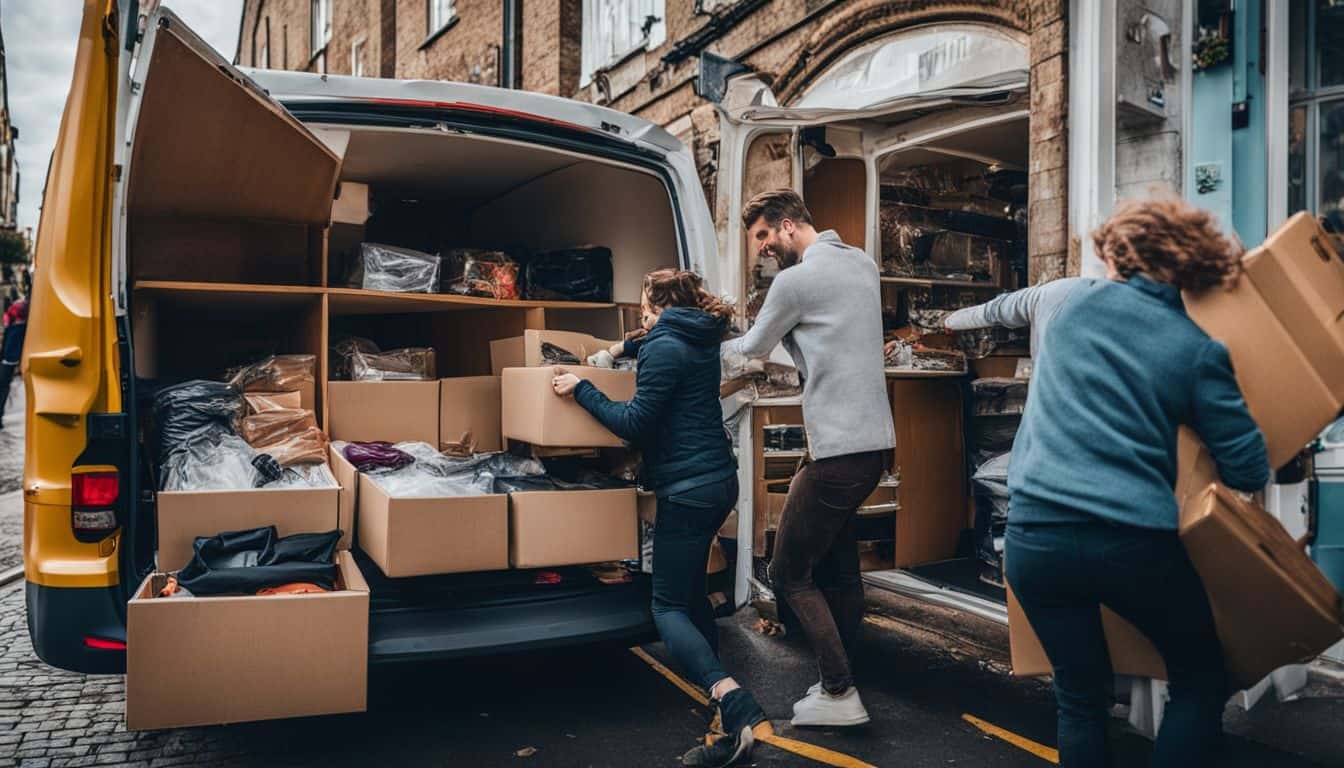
(408, 364)
(413, 483)
(573, 274)
(959, 256)
(277, 373)
(999, 397)
(552, 354)
(991, 477)
(290, 436)
(343, 352)
(390, 268)
(304, 476)
(263, 402)
(476, 272)
(212, 459)
(184, 409)
(921, 358)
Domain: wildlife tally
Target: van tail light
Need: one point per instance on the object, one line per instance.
(104, 644)
(93, 498)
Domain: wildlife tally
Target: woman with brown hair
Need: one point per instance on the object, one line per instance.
(676, 420)
(1093, 516)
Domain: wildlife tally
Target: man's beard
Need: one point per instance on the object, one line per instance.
(787, 256)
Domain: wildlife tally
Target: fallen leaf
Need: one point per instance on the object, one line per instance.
(526, 752)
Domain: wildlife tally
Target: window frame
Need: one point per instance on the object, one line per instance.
(1313, 99)
(357, 58)
(652, 40)
(450, 14)
(319, 26)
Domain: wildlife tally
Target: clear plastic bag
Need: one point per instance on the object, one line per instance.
(213, 459)
(277, 373)
(991, 477)
(184, 409)
(572, 274)
(308, 446)
(305, 476)
(409, 364)
(999, 397)
(343, 352)
(477, 272)
(271, 427)
(390, 268)
(264, 402)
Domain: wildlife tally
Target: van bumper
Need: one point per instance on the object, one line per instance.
(60, 618)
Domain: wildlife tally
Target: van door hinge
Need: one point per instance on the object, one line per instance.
(116, 172)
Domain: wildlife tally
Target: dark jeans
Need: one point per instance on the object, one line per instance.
(682, 534)
(816, 560)
(6, 379)
(1063, 574)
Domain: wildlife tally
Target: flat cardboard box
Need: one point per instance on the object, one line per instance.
(1271, 604)
(427, 536)
(213, 660)
(185, 515)
(348, 501)
(525, 351)
(533, 413)
(1301, 278)
(395, 411)
(470, 405)
(555, 528)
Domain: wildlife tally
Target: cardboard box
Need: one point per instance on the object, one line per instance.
(554, 528)
(1301, 278)
(426, 536)
(470, 404)
(348, 499)
(396, 411)
(525, 351)
(533, 413)
(211, 660)
(185, 515)
(647, 504)
(1271, 604)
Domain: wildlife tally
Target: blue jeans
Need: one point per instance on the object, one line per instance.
(1062, 575)
(682, 534)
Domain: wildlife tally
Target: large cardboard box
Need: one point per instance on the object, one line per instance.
(470, 405)
(555, 528)
(1270, 602)
(425, 536)
(185, 515)
(1301, 277)
(525, 351)
(212, 660)
(396, 411)
(533, 413)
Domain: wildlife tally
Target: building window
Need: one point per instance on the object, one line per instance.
(440, 13)
(320, 24)
(357, 58)
(1316, 109)
(265, 61)
(614, 29)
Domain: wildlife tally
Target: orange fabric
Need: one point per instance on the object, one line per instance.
(295, 588)
(170, 588)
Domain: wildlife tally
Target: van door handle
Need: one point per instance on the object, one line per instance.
(68, 357)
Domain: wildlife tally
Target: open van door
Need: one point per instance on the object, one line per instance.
(922, 88)
(186, 136)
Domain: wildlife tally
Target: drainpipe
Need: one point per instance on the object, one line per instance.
(508, 71)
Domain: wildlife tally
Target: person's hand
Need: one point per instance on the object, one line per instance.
(564, 382)
(617, 349)
(602, 359)
(889, 347)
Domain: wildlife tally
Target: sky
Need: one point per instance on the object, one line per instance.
(40, 38)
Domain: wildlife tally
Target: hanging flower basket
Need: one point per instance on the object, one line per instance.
(1211, 49)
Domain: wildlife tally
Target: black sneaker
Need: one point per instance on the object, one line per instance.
(723, 752)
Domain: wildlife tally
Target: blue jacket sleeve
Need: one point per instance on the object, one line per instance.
(634, 420)
(1225, 425)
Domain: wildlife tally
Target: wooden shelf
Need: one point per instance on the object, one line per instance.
(208, 294)
(357, 301)
(919, 282)
(344, 301)
(911, 373)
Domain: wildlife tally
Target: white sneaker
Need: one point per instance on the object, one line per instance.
(823, 709)
(812, 690)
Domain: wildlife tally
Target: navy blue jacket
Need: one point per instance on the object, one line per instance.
(1120, 368)
(675, 417)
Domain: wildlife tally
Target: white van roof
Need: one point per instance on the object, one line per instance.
(295, 87)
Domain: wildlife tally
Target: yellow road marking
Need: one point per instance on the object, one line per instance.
(1040, 750)
(764, 732)
(672, 677)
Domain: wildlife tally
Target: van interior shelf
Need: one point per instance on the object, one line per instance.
(915, 373)
(919, 282)
(351, 301)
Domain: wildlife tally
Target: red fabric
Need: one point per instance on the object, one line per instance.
(296, 588)
(17, 312)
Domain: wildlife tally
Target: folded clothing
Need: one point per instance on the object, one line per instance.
(261, 402)
(343, 353)
(245, 562)
(276, 373)
(430, 473)
(290, 436)
(376, 455)
(406, 364)
(477, 272)
(572, 274)
(390, 268)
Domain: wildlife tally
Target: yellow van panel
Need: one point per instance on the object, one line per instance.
(70, 364)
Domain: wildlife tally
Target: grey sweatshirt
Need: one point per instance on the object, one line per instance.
(827, 310)
(1036, 306)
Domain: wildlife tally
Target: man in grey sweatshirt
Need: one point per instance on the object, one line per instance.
(826, 307)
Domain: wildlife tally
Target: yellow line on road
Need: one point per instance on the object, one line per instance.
(764, 732)
(1040, 750)
(672, 677)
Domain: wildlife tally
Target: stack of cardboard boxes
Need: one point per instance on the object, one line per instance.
(1283, 325)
